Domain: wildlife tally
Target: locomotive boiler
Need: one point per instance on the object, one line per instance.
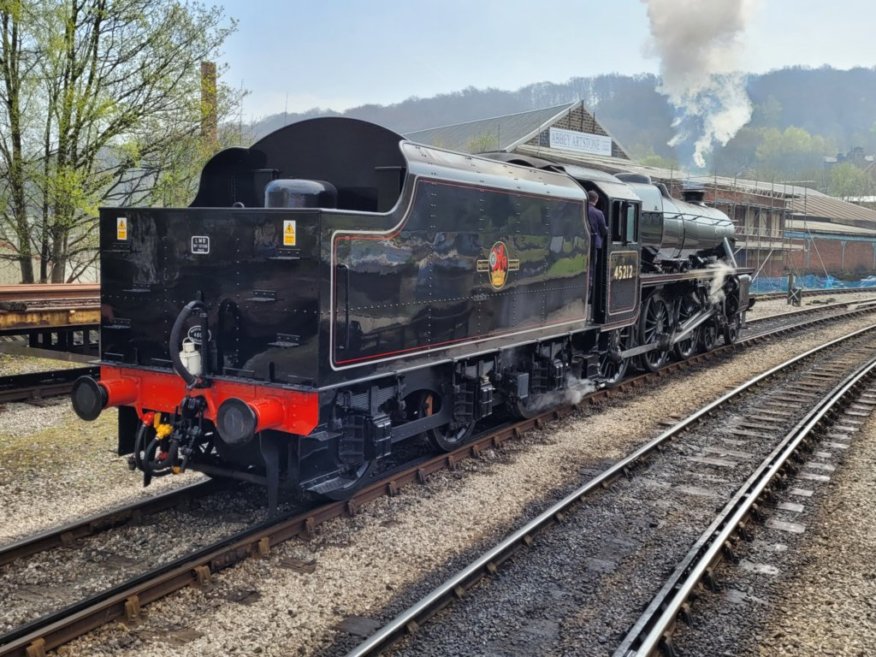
(335, 290)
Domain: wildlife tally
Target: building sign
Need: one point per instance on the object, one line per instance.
(583, 142)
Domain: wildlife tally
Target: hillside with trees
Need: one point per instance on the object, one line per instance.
(800, 116)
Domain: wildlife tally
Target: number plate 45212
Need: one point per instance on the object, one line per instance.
(623, 272)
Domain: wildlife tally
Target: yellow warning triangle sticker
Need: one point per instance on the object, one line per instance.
(289, 232)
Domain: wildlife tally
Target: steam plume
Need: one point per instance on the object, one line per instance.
(697, 43)
(721, 271)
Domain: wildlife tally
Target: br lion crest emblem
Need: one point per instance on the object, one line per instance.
(498, 264)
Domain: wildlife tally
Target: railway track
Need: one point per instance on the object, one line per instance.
(41, 385)
(587, 555)
(845, 406)
(66, 534)
(126, 599)
(813, 292)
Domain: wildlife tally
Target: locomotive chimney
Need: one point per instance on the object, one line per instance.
(694, 195)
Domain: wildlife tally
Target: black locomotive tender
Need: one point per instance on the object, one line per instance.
(337, 289)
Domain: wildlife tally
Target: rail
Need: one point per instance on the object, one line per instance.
(127, 599)
(409, 620)
(29, 292)
(651, 632)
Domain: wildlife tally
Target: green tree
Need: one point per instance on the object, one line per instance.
(768, 113)
(112, 94)
(649, 158)
(790, 152)
(847, 180)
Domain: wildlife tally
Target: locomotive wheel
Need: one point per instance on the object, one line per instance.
(349, 484)
(686, 348)
(655, 323)
(610, 370)
(731, 307)
(708, 335)
(448, 436)
(731, 333)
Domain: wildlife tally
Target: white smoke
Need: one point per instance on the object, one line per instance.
(698, 44)
(721, 271)
(575, 390)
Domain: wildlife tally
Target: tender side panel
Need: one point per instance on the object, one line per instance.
(258, 281)
(466, 263)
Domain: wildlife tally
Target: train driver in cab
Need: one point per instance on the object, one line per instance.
(598, 229)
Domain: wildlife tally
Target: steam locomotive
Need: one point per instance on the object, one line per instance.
(335, 290)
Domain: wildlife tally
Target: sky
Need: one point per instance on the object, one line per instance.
(293, 55)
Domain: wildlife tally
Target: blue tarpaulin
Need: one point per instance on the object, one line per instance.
(764, 284)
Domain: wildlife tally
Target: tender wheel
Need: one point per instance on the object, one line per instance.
(655, 323)
(686, 348)
(448, 436)
(708, 335)
(532, 406)
(610, 370)
(349, 484)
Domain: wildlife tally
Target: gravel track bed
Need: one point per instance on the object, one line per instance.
(13, 364)
(291, 602)
(764, 308)
(56, 468)
(809, 593)
(584, 582)
(57, 578)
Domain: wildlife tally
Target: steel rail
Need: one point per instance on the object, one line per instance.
(810, 292)
(66, 534)
(649, 633)
(409, 620)
(38, 291)
(39, 385)
(812, 309)
(125, 600)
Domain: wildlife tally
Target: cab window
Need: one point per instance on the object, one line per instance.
(624, 222)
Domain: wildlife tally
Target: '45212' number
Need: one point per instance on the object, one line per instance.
(622, 272)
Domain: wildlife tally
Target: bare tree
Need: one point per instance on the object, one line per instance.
(115, 85)
(14, 69)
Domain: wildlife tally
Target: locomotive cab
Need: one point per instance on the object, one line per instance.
(616, 285)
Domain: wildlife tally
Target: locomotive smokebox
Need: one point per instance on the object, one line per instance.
(297, 193)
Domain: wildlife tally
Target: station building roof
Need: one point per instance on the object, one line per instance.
(803, 224)
(507, 133)
(833, 209)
